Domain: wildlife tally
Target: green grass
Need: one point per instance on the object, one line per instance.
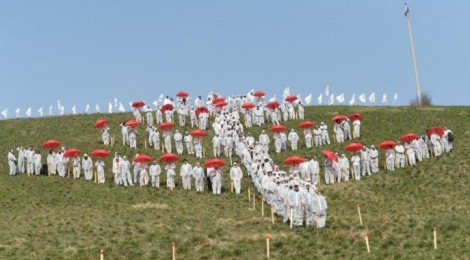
(57, 218)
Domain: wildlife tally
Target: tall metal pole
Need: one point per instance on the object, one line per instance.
(415, 66)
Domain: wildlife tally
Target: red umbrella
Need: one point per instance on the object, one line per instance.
(339, 117)
(138, 104)
(437, 129)
(51, 144)
(221, 104)
(330, 155)
(353, 147)
(278, 128)
(355, 116)
(166, 126)
(306, 124)
(132, 123)
(248, 105)
(100, 153)
(101, 122)
(259, 93)
(169, 157)
(200, 110)
(409, 137)
(217, 100)
(166, 107)
(387, 144)
(142, 158)
(292, 160)
(291, 98)
(182, 94)
(211, 163)
(71, 152)
(198, 133)
(273, 105)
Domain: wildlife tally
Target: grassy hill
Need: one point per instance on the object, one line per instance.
(54, 218)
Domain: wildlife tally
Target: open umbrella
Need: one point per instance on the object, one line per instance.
(291, 98)
(278, 128)
(51, 144)
(292, 160)
(169, 157)
(182, 94)
(71, 152)
(355, 116)
(387, 144)
(408, 137)
(437, 129)
(273, 104)
(166, 126)
(201, 109)
(166, 107)
(259, 93)
(217, 100)
(306, 124)
(339, 117)
(248, 105)
(198, 133)
(101, 122)
(353, 147)
(221, 104)
(132, 123)
(100, 153)
(330, 155)
(142, 158)
(211, 163)
(138, 104)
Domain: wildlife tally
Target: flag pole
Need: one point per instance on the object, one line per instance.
(413, 54)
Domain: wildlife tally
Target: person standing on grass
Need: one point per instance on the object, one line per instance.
(347, 130)
(37, 163)
(296, 205)
(198, 174)
(99, 164)
(117, 171)
(188, 140)
(179, 142)
(21, 157)
(293, 138)
(155, 171)
(12, 162)
(343, 168)
(356, 165)
(87, 165)
(167, 140)
(236, 176)
(170, 175)
(30, 161)
(76, 167)
(216, 180)
(325, 137)
(186, 173)
(329, 171)
(390, 161)
(105, 134)
(125, 172)
(357, 127)
(144, 176)
(374, 159)
(124, 133)
(399, 155)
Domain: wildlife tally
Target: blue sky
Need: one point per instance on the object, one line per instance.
(91, 51)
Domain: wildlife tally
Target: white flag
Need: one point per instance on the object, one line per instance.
(327, 90)
(286, 92)
(384, 98)
(155, 103)
(121, 108)
(372, 98)
(5, 113)
(352, 102)
(115, 102)
(58, 105)
(62, 110)
(97, 108)
(28, 112)
(110, 108)
(340, 98)
(308, 99)
(130, 105)
(87, 108)
(74, 110)
(40, 111)
(320, 99)
(299, 99)
(160, 98)
(362, 98)
(50, 110)
(17, 111)
(331, 100)
(395, 98)
(273, 98)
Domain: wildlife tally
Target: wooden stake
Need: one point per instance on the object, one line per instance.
(254, 202)
(367, 242)
(145, 144)
(249, 196)
(434, 230)
(291, 217)
(272, 216)
(49, 170)
(359, 211)
(267, 245)
(231, 186)
(262, 208)
(96, 176)
(101, 254)
(173, 249)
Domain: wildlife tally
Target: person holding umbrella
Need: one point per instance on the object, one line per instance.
(216, 180)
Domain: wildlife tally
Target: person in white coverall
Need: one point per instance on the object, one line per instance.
(198, 174)
(155, 172)
(87, 165)
(216, 180)
(293, 139)
(12, 162)
(99, 164)
(236, 176)
(179, 142)
(186, 171)
(126, 177)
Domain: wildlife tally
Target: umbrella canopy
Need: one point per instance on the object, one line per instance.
(138, 104)
(292, 160)
(331, 155)
(437, 129)
(221, 104)
(198, 133)
(387, 144)
(51, 144)
(132, 123)
(71, 152)
(166, 126)
(259, 93)
(217, 100)
(355, 116)
(211, 163)
(291, 98)
(101, 122)
(142, 158)
(100, 153)
(339, 117)
(353, 147)
(248, 105)
(169, 157)
(182, 94)
(166, 107)
(273, 105)
(306, 124)
(408, 137)
(278, 128)
(201, 109)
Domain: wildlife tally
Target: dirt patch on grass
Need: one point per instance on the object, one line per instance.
(149, 205)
